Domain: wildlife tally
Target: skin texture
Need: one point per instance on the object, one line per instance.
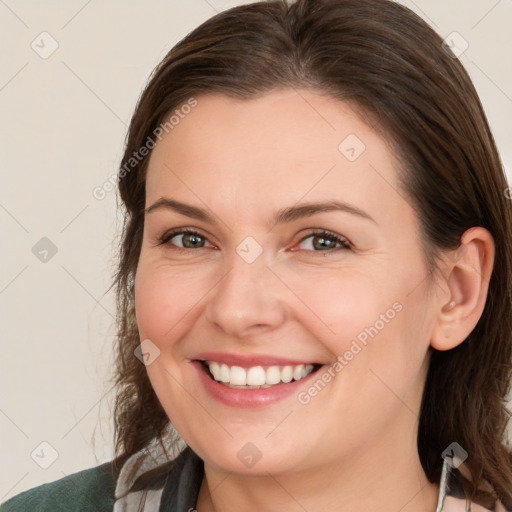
(353, 446)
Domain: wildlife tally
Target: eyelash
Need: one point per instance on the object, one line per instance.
(345, 244)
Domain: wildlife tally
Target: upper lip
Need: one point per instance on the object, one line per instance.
(248, 361)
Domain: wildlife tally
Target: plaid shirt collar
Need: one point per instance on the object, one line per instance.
(155, 480)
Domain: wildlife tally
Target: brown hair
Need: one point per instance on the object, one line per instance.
(386, 60)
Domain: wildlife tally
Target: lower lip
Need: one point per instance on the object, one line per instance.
(236, 397)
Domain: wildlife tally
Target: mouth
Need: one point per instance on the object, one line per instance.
(256, 377)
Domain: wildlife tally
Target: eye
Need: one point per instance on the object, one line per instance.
(325, 240)
(189, 239)
(321, 241)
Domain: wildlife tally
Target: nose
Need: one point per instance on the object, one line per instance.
(248, 299)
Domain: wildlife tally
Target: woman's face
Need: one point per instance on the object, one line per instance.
(259, 293)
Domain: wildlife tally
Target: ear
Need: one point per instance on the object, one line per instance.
(466, 276)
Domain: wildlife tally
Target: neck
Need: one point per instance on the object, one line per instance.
(384, 477)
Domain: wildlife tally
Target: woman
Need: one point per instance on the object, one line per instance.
(314, 277)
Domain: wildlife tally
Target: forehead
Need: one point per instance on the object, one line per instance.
(279, 148)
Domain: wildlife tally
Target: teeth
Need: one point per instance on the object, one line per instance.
(287, 374)
(297, 372)
(224, 373)
(256, 376)
(215, 370)
(273, 375)
(237, 376)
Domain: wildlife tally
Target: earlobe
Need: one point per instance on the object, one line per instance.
(467, 277)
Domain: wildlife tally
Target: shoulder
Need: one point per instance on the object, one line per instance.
(88, 490)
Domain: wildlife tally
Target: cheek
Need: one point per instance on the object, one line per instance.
(391, 351)
(337, 304)
(165, 299)
(370, 319)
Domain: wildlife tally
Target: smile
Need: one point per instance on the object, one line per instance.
(256, 377)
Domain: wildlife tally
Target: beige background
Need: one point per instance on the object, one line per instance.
(63, 121)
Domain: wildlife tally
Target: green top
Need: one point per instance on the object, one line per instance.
(156, 484)
(90, 490)
(159, 484)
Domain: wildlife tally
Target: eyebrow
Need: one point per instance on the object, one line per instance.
(281, 216)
